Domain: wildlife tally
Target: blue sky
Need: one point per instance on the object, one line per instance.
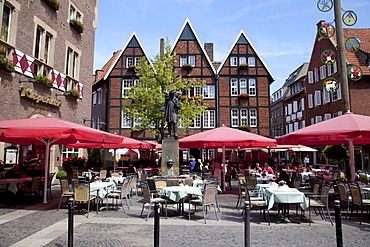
(282, 31)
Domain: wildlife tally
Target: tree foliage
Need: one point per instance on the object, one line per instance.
(143, 103)
(336, 154)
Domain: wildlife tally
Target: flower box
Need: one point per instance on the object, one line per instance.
(187, 67)
(53, 4)
(243, 66)
(246, 128)
(132, 68)
(78, 25)
(73, 93)
(43, 80)
(243, 96)
(6, 63)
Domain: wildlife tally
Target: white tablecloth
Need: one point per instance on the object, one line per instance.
(100, 188)
(12, 183)
(176, 193)
(284, 194)
(116, 180)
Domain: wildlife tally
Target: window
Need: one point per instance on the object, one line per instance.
(301, 105)
(286, 110)
(326, 97)
(94, 98)
(251, 61)
(234, 87)
(252, 87)
(187, 60)
(233, 61)
(329, 69)
(100, 96)
(126, 87)
(209, 119)
(38, 44)
(67, 152)
(334, 68)
(72, 62)
(253, 117)
(338, 94)
(317, 98)
(322, 72)
(289, 109)
(93, 123)
(310, 76)
(196, 123)
(312, 121)
(340, 113)
(234, 118)
(290, 127)
(303, 124)
(129, 62)
(137, 60)
(310, 101)
(125, 121)
(209, 92)
(242, 85)
(318, 119)
(98, 123)
(242, 60)
(243, 117)
(327, 116)
(316, 75)
(6, 22)
(74, 13)
(295, 106)
(208, 154)
(296, 126)
(8, 17)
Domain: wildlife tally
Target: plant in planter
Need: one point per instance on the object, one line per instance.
(54, 4)
(61, 174)
(243, 95)
(243, 66)
(6, 63)
(73, 92)
(42, 79)
(77, 24)
(246, 128)
(132, 68)
(187, 66)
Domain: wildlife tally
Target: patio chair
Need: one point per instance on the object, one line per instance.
(357, 201)
(260, 202)
(65, 191)
(32, 189)
(120, 193)
(133, 185)
(82, 195)
(149, 201)
(103, 174)
(344, 196)
(363, 178)
(241, 193)
(320, 201)
(208, 199)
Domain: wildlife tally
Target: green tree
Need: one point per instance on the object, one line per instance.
(95, 158)
(336, 154)
(144, 102)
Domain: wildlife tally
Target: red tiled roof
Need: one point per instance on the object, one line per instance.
(363, 34)
(106, 67)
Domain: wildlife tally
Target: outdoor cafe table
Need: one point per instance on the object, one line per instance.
(100, 188)
(116, 180)
(176, 193)
(12, 183)
(285, 196)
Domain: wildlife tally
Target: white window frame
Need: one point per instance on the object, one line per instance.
(253, 117)
(325, 97)
(329, 66)
(295, 106)
(197, 122)
(327, 116)
(243, 116)
(130, 61)
(100, 96)
(137, 60)
(233, 61)
(316, 74)
(290, 109)
(322, 72)
(234, 87)
(242, 85)
(318, 119)
(335, 68)
(242, 60)
(74, 13)
(209, 119)
(126, 86)
(192, 60)
(301, 108)
(252, 87)
(251, 62)
(125, 121)
(183, 60)
(317, 98)
(312, 121)
(209, 92)
(94, 97)
(234, 118)
(310, 101)
(310, 76)
(337, 95)
(14, 9)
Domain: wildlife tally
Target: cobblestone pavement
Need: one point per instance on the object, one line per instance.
(42, 225)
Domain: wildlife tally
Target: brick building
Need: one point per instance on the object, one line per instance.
(236, 90)
(53, 43)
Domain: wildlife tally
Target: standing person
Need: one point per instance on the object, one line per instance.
(217, 169)
(307, 160)
(198, 166)
(191, 165)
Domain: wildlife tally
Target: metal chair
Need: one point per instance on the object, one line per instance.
(65, 191)
(357, 200)
(82, 195)
(149, 200)
(320, 202)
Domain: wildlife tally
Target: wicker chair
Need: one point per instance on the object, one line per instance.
(357, 200)
(32, 189)
(241, 193)
(120, 193)
(344, 196)
(259, 201)
(103, 174)
(149, 200)
(320, 202)
(208, 199)
(82, 195)
(65, 191)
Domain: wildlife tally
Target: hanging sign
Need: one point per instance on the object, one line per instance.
(326, 30)
(352, 44)
(331, 85)
(354, 72)
(325, 5)
(328, 57)
(349, 18)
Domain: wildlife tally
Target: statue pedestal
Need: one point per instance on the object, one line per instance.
(170, 150)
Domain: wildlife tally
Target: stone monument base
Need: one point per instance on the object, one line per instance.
(170, 151)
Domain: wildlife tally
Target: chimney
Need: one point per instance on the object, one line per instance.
(161, 47)
(97, 74)
(209, 50)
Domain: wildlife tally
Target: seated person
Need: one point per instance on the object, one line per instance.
(268, 169)
(31, 161)
(283, 175)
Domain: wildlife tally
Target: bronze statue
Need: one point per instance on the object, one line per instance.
(171, 108)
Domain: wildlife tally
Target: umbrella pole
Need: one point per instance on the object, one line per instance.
(46, 177)
(352, 160)
(114, 160)
(223, 167)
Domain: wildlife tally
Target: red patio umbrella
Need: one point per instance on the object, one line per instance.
(49, 131)
(347, 129)
(126, 143)
(225, 137)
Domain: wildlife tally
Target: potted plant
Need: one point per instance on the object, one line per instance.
(243, 66)
(6, 63)
(44, 80)
(54, 4)
(61, 174)
(187, 66)
(77, 24)
(246, 128)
